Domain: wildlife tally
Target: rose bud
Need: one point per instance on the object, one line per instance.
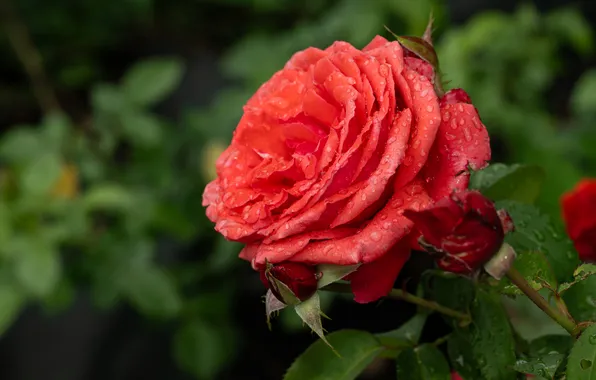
(299, 279)
(463, 230)
(579, 214)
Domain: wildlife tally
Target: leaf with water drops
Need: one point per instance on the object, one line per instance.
(536, 270)
(581, 299)
(424, 362)
(581, 364)
(545, 366)
(484, 349)
(535, 232)
(548, 344)
(581, 273)
(357, 349)
(516, 182)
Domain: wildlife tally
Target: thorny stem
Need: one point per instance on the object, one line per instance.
(408, 297)
(29, 55)
(563, 320)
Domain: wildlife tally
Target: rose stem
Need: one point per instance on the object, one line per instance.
(564, 321)
(405, 296)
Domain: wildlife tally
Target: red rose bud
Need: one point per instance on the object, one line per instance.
(463, 230)
(579, 213)
(290, 282)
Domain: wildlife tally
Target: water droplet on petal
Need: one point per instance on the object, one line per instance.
(375, 236)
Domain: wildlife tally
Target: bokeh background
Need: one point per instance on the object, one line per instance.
(112, 114)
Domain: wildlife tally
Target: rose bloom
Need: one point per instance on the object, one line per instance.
(331, 151)
(463, 230)
(579, 213)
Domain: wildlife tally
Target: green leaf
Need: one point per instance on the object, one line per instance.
(153, 292)
(41, 174)
(448, 289)
(462, 356)
(536, 270)
(150, 81)
(357, 349)
(581, 273)
(108, 197)
(56, 127)
(516, 182)
(11, 303)
(332, 273)
(535, 232)
(424, 362)
(484, 349)
(581, 299)
(142, 128)
(544, 366)
(407, 334)
(37, 265)
(582, 360)
(583, 99)
(550, 343)
(17, 145)
(202, 349)
(109, 99)
(572, 25)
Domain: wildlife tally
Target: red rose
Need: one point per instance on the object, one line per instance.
(464, 230)
(579, 213)
(300, 279)
(330, 152)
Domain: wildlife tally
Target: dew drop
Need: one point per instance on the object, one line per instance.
(398, 203)
(429, 108)
(375, 236)
(538, 235)
(467, 134)
(446, 116)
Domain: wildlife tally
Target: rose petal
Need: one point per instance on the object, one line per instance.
(578, 206)
(436, 222)
(462, 140)
(282, 250)
(386, 228)
(305, 58)
(426, 113)
(375, 280)
(421, 67)
(375, 185)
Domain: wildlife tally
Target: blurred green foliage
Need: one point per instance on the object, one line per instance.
(88, 204)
